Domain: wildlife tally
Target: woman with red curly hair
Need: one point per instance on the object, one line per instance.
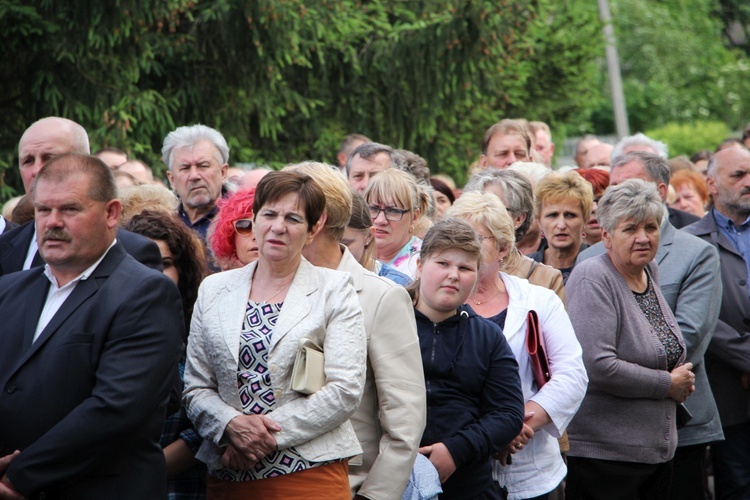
(231, 235)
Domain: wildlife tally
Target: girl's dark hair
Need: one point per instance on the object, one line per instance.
(187, 250)
(444, 235)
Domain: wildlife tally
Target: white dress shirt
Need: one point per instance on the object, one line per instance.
(57, 295)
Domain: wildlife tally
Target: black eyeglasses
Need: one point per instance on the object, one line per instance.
(243, 226)
(392, 214)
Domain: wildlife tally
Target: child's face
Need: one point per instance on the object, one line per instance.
(447, 279)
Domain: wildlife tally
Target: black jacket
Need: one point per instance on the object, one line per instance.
(474, 400)
(14, 245)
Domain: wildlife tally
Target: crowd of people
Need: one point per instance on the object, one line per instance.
(372, 330)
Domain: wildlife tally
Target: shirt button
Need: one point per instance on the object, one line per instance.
(273, 367)
(11, 389)
(742, 282)
(277, 395)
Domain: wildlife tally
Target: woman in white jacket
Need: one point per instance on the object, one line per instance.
(537, 466)
(262, 439)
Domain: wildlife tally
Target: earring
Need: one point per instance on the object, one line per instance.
(411, 229)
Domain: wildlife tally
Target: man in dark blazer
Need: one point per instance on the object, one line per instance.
(726, 227)
(43, 140)
(6, 225)
(88, 349)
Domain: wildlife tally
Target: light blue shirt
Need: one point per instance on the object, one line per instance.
(739, 236)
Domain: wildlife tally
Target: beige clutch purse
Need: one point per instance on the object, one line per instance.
(309, 372)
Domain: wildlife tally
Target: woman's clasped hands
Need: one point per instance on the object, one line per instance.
(249, 440)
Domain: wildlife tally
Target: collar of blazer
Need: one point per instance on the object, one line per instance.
(15, 244)
(350, 265)
(706, 227)
(83, 290)
(234, 295)
(666, 238)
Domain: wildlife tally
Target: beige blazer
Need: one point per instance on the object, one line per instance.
(321, 305)
(391, 418)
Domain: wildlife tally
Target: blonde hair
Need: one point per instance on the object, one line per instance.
(487, 209)
(400, 188)
(557, 187)
(136, 199)
(337, 191)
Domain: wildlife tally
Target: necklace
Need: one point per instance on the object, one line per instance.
(257, 282)
(479, 303)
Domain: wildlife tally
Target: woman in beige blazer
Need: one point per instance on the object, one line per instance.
(262, 439)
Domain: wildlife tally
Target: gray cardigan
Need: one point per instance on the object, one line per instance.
(626, 415)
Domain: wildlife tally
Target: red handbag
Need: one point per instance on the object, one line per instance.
(535, 346)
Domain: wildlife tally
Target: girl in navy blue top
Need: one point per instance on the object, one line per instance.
(474, 399)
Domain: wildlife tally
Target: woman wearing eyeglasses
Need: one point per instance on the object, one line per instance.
(396, 203)
(231, 233)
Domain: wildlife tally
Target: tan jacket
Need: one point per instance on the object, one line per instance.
(539, 274)
(391, 417)
(321, 305)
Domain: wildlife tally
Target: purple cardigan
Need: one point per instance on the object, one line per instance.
(626, 415)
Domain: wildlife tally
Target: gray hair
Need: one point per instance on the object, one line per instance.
(634, 198)
(517, 190)
(657, 167)
(370, 149)
(191, 135)
(639, 139)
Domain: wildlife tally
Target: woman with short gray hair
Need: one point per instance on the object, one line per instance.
(623, 438)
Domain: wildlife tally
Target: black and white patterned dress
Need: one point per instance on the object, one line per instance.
(256, 392)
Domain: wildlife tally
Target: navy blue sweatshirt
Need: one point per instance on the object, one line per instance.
(474, 399)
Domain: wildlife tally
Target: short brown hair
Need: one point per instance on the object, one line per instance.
(277, 184)
(507, 127)
(447, 234)
(61, 168)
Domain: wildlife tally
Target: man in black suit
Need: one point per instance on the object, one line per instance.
(88, 349)
(42, 141)
(6, 225)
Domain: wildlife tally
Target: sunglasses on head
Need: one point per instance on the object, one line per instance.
(243, 226)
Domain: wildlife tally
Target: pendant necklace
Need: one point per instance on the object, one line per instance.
(479, 303)
(275, 294)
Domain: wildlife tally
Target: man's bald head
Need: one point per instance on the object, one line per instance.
(45, 139)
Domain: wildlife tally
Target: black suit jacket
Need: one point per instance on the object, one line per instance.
(9, 224)
(15, 244)
(680, 219)
(85, 403)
